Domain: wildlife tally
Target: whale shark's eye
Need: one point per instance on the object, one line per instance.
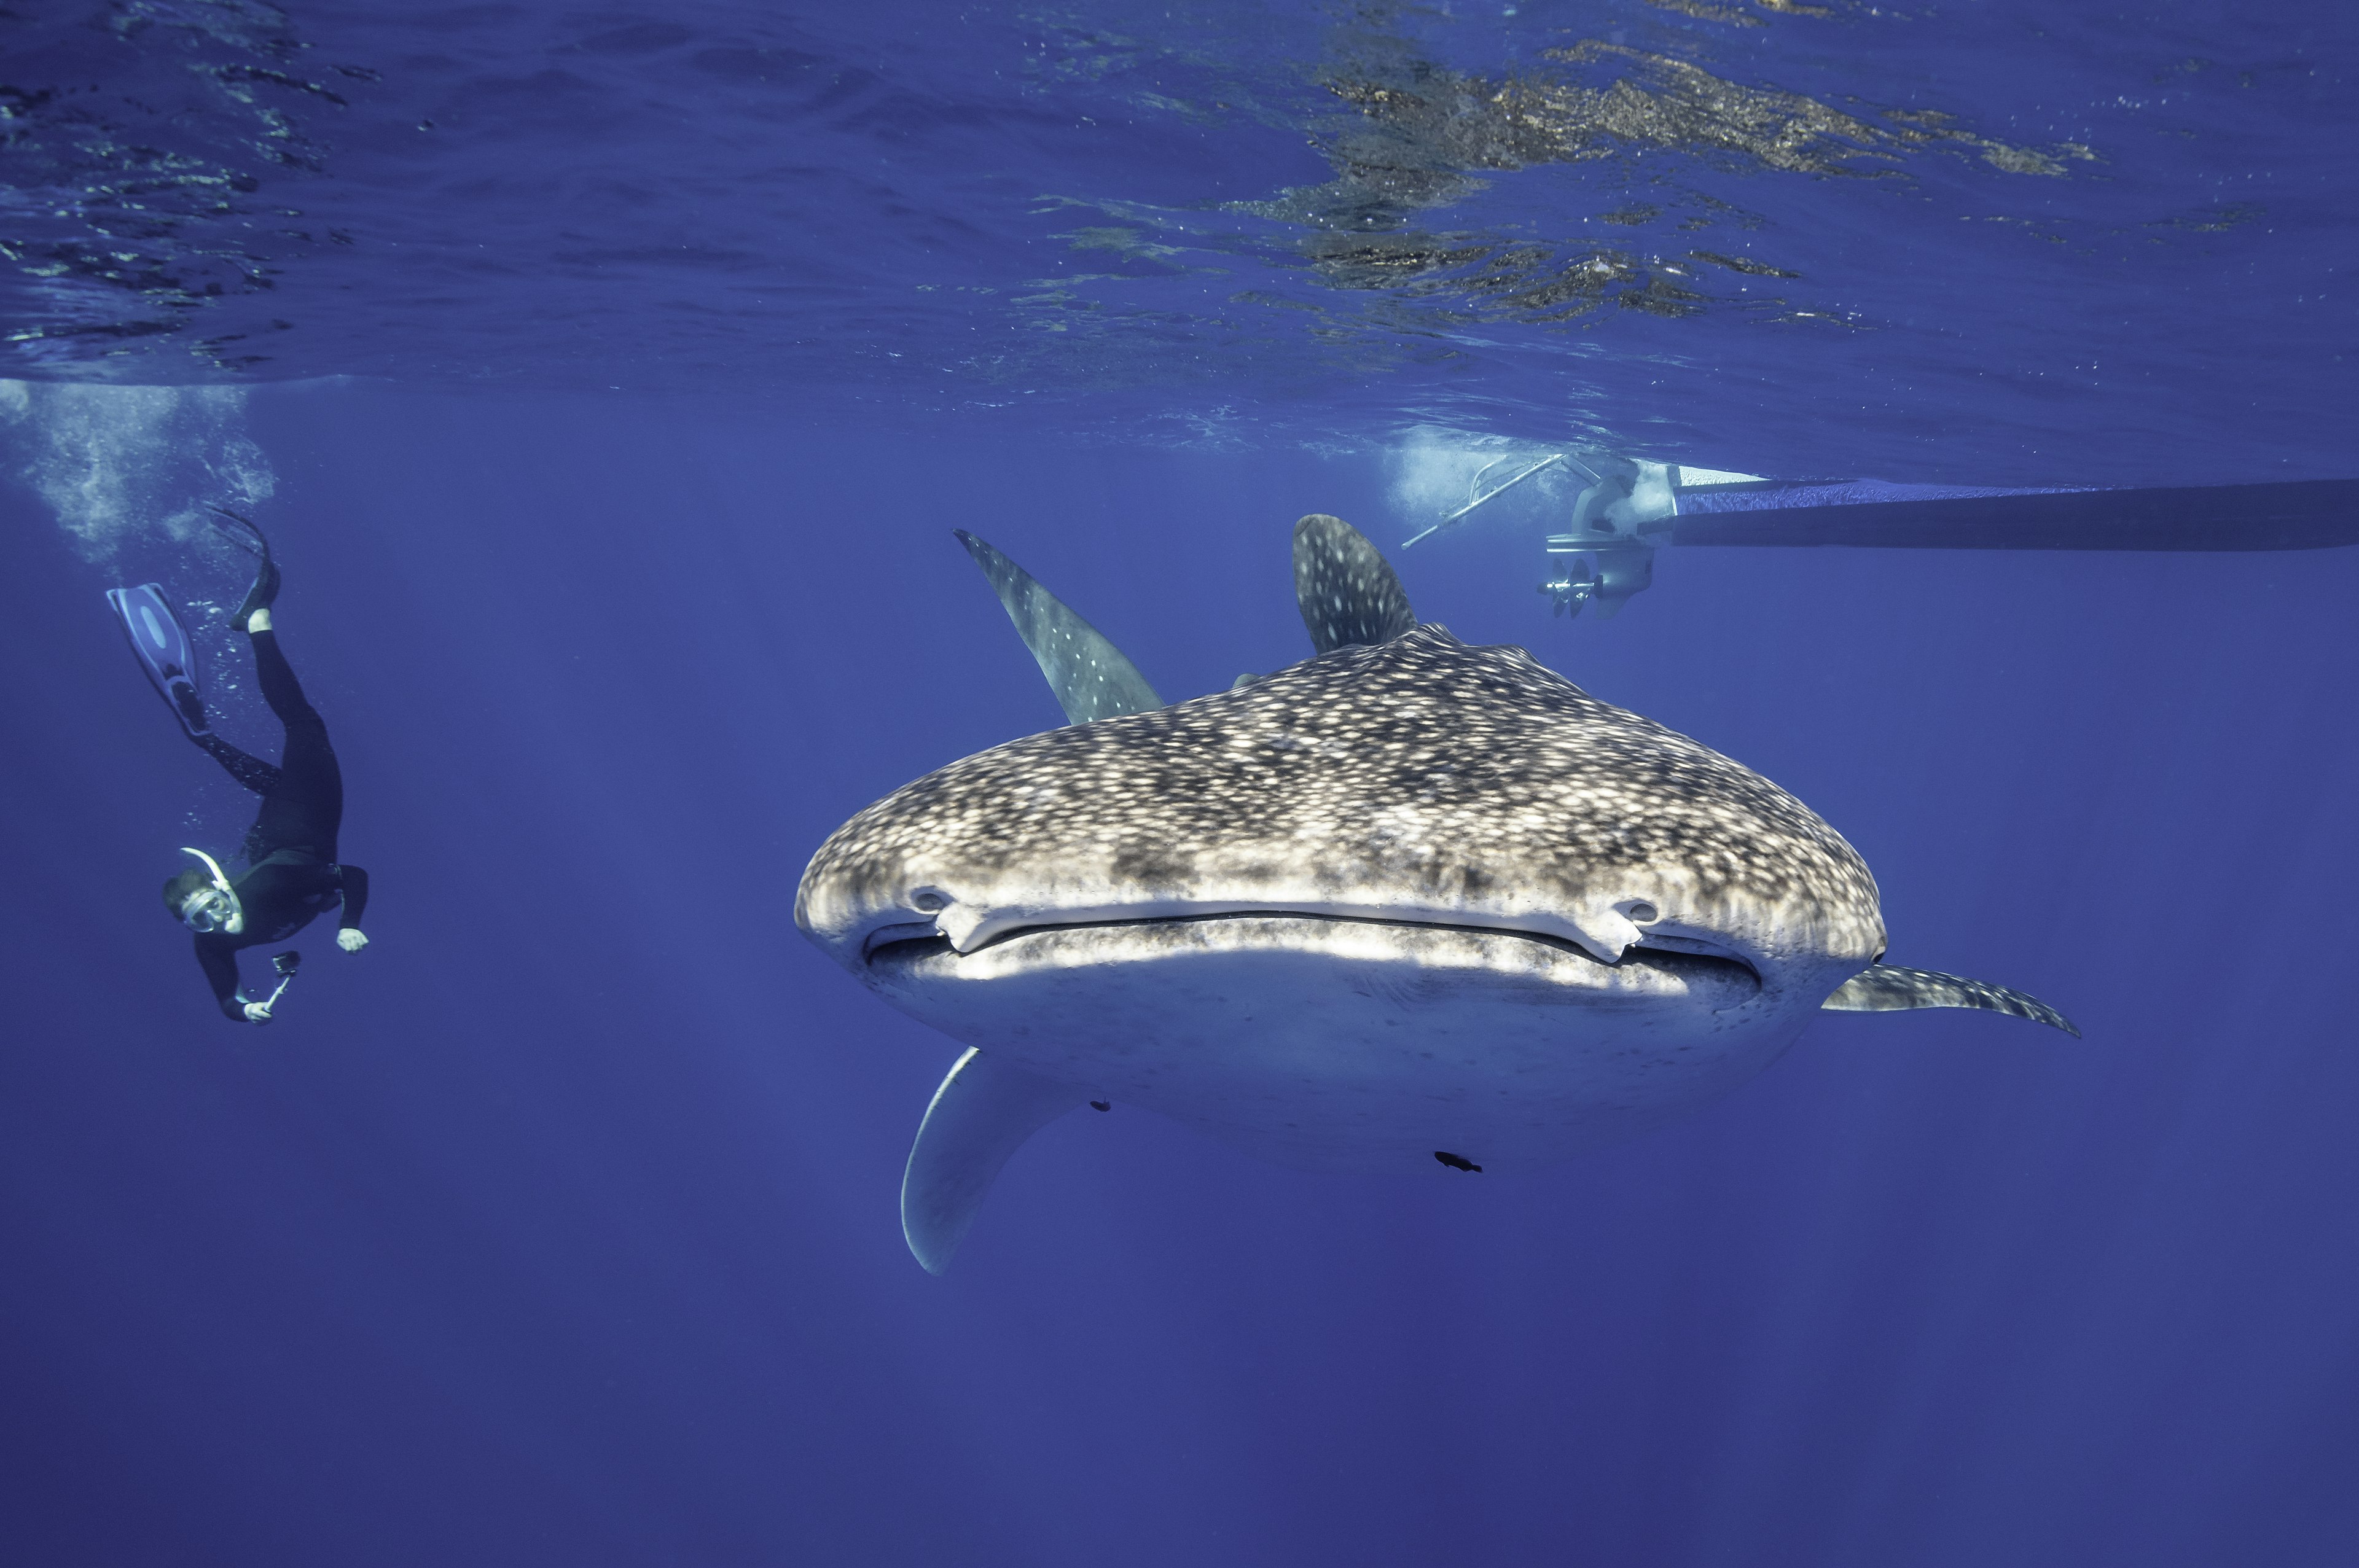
(1640, 913)
(928, 900)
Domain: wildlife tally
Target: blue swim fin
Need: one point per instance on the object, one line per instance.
(164, 650)
(247, 537)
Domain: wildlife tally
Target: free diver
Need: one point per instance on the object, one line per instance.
(292, 875)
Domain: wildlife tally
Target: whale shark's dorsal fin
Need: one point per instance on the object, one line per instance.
(1886, 988)
(1089, 674)
(982, 1114)
(1346, 588)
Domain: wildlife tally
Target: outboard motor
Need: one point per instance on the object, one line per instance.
(1607, 574)
(1606, 558)
(1626, 508)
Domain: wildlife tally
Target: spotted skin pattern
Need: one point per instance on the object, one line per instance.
(1420, 778)
(1888, 987)
(1091, 677)
(1347, 590)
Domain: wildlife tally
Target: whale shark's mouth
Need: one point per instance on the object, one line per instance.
(899, 945)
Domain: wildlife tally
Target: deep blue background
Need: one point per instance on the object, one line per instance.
(559, 1225)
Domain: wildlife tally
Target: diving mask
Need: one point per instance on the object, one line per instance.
(212, 908)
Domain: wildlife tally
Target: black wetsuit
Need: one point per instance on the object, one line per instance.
(290, 850)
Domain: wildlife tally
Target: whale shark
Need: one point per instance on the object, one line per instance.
(1406, 905)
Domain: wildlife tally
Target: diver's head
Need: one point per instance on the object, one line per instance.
(204, 900)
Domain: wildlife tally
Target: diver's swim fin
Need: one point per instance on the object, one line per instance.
(164, 651)
(1348, 592)
(982, 1114)
(1887, 988)
(249, 538)
(1090, 676)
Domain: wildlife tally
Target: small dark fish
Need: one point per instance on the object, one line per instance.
(1455, 1161)
(1100, 1105)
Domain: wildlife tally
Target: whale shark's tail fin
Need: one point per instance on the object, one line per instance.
(1090, 676)
(1347, 590)
(1886, 988)
(982, 1114)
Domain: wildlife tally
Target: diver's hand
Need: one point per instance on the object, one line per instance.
(256, 1012)
(351, 940)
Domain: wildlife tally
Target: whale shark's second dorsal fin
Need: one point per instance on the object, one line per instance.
(1347, 590)
(982, 1114)
(1886, 988)
(1089, 674)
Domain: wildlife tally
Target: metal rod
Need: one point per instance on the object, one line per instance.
(1486, 495)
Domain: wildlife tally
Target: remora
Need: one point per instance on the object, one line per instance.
(1407, 904)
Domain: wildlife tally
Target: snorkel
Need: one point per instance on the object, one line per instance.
(214, 907)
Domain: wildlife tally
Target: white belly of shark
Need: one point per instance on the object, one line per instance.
(1339, 1044)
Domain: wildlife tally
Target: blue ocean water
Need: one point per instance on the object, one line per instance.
(610, 380)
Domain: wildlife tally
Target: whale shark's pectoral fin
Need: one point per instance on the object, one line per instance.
(1886, 988)
(1346, 588)
(982, 1114)
(1089, 674)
